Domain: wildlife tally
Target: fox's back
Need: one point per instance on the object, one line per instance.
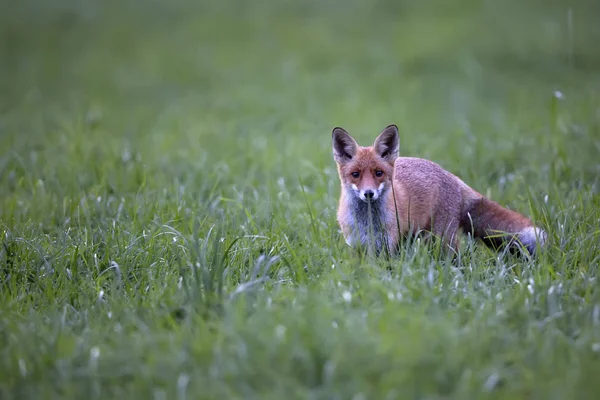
(423, 175)
(426, 188)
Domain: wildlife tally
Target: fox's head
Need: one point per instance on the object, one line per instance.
(366, 172)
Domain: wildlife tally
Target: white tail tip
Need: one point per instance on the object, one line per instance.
(532, 238)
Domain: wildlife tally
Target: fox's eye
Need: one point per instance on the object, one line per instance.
(378, 173)
(355, 174)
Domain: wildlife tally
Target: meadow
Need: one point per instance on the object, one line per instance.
(168, 199)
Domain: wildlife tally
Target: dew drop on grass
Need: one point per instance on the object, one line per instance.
(280, 331)
(329, 369)
(94, 354)
(182, 382)
(491, 382)
(430, 277)
(347, 296)
(126, 156)
(22, 367)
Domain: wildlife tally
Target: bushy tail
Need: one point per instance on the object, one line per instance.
(499, 227)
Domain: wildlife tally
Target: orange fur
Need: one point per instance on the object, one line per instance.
(385, 197)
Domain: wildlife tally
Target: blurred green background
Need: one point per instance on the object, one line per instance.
(175, 77)
(129, 128)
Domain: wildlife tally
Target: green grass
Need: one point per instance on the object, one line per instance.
(168, 199)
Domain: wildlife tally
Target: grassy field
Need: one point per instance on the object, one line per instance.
(168, 199)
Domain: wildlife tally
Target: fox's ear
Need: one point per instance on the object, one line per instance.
(387, 144)
(344, 146)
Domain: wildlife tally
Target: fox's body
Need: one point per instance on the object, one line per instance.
(385, 197)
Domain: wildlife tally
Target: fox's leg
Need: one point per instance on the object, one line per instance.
(446, 228)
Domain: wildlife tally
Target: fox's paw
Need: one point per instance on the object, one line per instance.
(531, 238)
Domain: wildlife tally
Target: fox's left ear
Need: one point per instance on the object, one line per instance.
(387, 144)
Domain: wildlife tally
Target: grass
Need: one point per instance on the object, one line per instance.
(168, 198)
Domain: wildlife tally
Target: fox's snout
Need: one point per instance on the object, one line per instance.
(370, 194)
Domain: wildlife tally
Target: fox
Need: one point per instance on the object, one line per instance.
(385, 197)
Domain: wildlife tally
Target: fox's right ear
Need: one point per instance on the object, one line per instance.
(344, 146)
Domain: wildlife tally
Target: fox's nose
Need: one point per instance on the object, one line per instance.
(369, 194)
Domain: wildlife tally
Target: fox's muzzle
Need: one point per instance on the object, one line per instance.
(369, 195)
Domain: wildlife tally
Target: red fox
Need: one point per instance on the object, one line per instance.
(385, 197)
